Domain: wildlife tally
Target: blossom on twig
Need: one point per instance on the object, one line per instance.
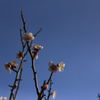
(34, 53)
(52, 67)
(53, 94)
(44, 87)
(36, 47)
(61, 66)
(19, 55)
(14, 64)
(8, 67)
(28, 37)
(15, 85)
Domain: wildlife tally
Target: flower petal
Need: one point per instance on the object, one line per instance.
(54, 94)
(61, 66)
(50, 63)
(8, 67)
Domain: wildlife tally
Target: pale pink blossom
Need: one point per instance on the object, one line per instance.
(53, 94)
(14, 64)
(28, 37)
(19, 55)
(44, 87)
(36, 47)
(8, 67)
(34, 53)
(52, 67)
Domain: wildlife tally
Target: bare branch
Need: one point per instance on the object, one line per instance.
(49, 91)
(38, 32)
(50, 78)
(24, 23)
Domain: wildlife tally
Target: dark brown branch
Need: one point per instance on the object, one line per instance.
(24, 23)
(33, 68)
(18, 82)
(50, 78)
(49, 91)
(34, 72)
(42, 92)
(38, 32)
(17, 74)
(35, 77)
(14, 70)
(22, 38)
(13, 97)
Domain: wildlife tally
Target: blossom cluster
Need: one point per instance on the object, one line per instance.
(54, 68)
(35, 49)
(45, 87)
(11, 65)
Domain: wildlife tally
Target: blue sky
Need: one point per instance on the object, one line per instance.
(70, 33)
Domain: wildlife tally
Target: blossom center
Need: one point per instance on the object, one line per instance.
(20, 55)
(28, 37)
(54, 67)
(38, 46)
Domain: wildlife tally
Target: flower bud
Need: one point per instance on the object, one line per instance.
(44, 87)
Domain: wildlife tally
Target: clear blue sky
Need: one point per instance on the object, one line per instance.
(71, 33)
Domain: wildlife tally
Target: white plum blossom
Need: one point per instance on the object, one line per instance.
(28, 37)
(61, 66)
(36, 47)
(52, 67)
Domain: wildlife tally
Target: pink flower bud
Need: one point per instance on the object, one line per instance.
(15, 86)
(44, 87)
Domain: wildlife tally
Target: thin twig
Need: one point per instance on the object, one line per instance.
(18, 82)
(17, 74)
(50, 78)
(21, 37)
(20, 68)
(49, 91)
(33, 68)
(42, 92)
(24, 23)
(35, 77)
(38, 32)
(34, 72)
